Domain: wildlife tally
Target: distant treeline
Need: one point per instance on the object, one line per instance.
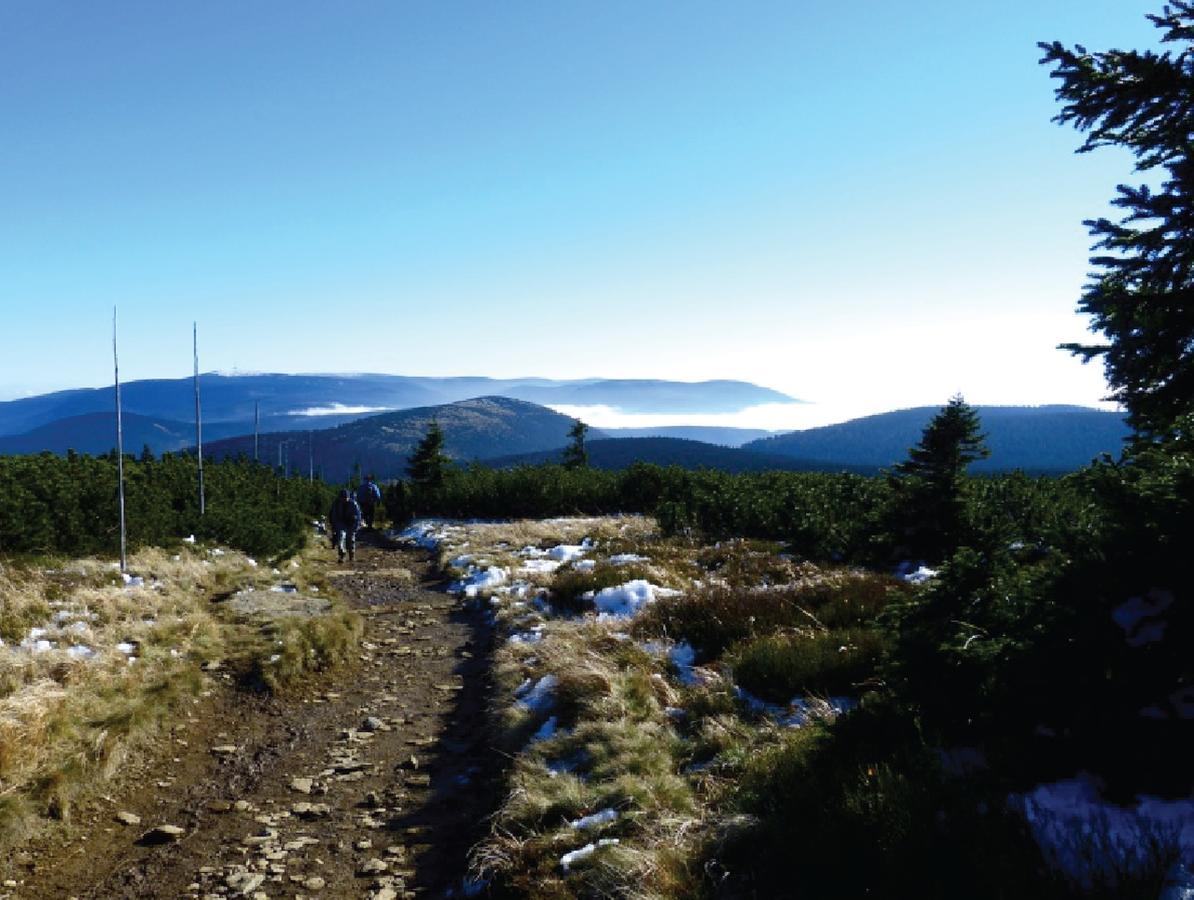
(822, 516)
(53, 504)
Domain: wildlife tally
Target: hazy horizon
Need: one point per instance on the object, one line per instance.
(866, 210)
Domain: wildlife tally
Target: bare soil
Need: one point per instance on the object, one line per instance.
(373, 780)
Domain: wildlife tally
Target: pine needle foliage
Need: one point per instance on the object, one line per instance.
(1140, 294)
(429, 464)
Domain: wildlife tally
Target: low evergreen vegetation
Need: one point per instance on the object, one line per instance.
(68, 505)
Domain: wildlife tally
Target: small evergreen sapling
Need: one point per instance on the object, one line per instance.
(927, 518)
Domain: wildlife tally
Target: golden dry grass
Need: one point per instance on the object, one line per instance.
(120, 659)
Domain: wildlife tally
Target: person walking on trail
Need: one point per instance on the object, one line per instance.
(368, 496)
(343, 520)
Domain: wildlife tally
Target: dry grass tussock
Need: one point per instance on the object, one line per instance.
(599, 720)
(91, 664)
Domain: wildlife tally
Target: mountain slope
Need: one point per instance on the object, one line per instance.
(1038, 439)
(474, 429)
(95, 433)
(301, 402)
(618, 453)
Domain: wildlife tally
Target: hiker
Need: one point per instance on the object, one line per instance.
(368, 496)
(343, 521)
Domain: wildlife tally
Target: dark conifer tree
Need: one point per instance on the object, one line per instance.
(575, 454)
(1140, 295)
(927, 519)
(429, 463)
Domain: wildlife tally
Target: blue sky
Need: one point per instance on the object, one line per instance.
(864, 206)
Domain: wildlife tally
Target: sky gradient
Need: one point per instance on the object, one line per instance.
(866, 206)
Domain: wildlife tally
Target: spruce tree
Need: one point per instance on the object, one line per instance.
(927, 519)
(575, 454)
(1140, 296)
(429, 463)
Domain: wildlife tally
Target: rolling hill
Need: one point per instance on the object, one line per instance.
(1032, 438)
(480, 428)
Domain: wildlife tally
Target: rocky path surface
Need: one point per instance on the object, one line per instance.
(373, 782)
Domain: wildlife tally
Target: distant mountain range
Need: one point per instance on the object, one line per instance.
(302, 402)
(504, 430)
(474, 430)
(1032, 438)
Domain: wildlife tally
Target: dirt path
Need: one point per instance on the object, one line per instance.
(372, 782)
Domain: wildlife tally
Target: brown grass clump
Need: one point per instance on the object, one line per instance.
(715, 617)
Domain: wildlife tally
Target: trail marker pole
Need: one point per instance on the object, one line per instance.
(119, 448)
(198, 415)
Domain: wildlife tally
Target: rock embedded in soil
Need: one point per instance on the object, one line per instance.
(302, 785)
(162, 834)
(128, 818)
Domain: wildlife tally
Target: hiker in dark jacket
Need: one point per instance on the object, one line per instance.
(343, 521)
(368, 496)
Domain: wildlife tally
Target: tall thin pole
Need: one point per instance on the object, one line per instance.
(119, 447)
(198, 414)
(256, 426)
(310, 456)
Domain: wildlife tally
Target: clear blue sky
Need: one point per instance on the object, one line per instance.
(860, 204)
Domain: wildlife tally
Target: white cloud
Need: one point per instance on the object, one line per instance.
(337, 409)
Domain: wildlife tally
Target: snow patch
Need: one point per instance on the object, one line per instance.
(573, 857)
(596, 820)
(1136, 617)
(627, 599)
(541, 695)
(1060, 810)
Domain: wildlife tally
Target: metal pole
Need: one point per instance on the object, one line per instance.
(119, 447)
(198, 414)
(256, 426)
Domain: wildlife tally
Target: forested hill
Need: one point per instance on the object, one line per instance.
(1032, 438)
(618, 453)
(480, 428)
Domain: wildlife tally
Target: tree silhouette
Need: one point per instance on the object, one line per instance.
(575, 454)
(1140, 295)
(429, 463)
(927, 517)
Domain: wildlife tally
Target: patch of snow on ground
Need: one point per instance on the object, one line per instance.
(80, 651)
(530, 636)
(481, 579)
(546, 730)
(568, 552)
(625, 559)
(596, 820)
(541, 695)
(627, 599)
(799, 710)
(1074, 808)
(1136, 617)
(920, 576)
(539, 566)
(585, 565)
(683, 657)
(126, 648)
(426, 533)
(573, 857)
